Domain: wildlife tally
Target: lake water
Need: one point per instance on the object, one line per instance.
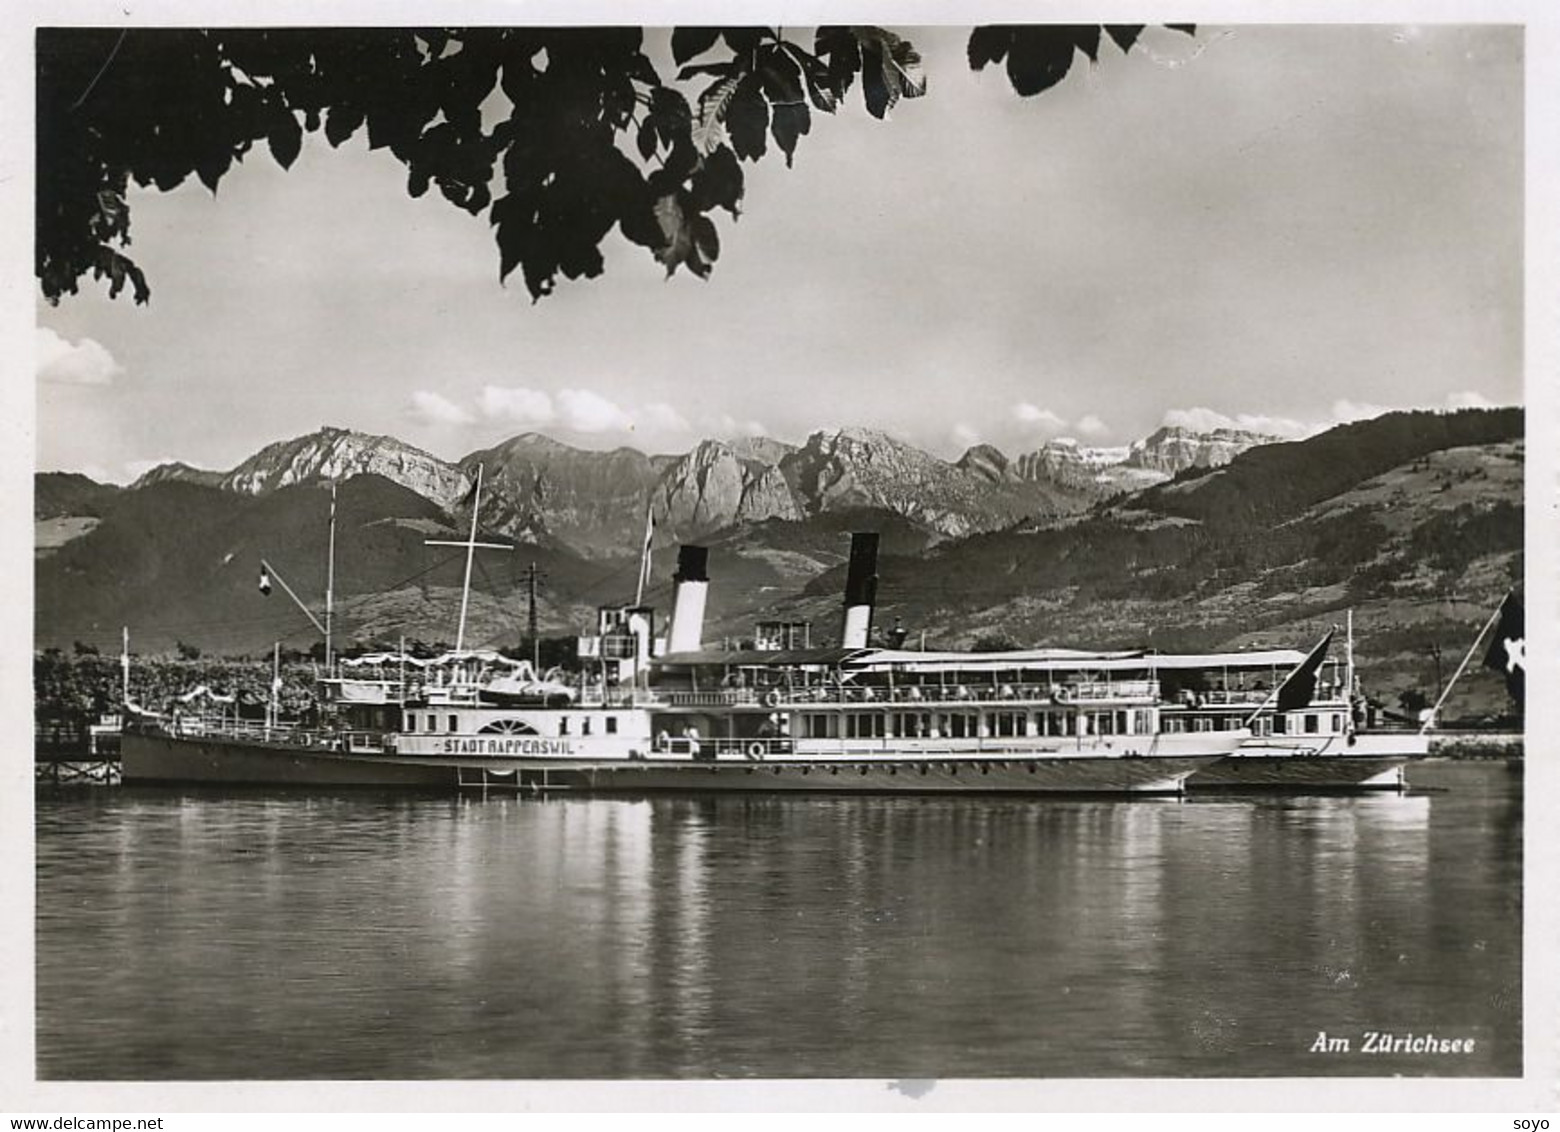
(188, 934)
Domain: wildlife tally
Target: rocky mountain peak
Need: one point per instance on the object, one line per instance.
(177, 470)
(334, 454)
(987, 462)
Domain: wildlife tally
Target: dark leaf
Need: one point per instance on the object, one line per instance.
(1124, 35)
(875, 81)
(989, 45)
(682, 160)
(638, 222)
(741, 40)
(780, 76)
(211, 168)
(341, 122)
(1087, 38)
(706, 246)
(747, 118)
(285, 139)
(669, 108)
(816, 76)
(718, 182)
(646, 141)
(839, 47)
(688, 43)
(1039, 59)
(788, 122)
(416, 182)
(890, 69)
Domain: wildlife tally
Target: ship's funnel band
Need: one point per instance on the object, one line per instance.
(692, 564)
(861, 578)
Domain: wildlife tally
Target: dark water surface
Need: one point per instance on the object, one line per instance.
(194, 935)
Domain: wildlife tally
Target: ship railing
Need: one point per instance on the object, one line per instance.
(279, 734)
(918, 694)
(1326, 696)
(729, 697)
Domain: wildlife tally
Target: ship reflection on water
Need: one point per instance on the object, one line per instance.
(186, 935)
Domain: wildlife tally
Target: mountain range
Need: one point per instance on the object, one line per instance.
(1182, 540)
(593, 502)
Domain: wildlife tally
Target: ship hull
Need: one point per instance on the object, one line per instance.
(886, 776)
(152, 758)
(1374, 762)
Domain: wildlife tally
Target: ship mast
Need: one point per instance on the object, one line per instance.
(330, 575)
(472, 546)
(1430, 716)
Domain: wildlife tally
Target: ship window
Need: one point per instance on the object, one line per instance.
(1280, 725)
(433, 723)
(1142, 722)
(563, 725)
(1310, 723)
(585, 726)
(1121, 723)
(1174, 725)
(611, 725)
(411, 721)
(454, 724)
(1337, 722)
(1202, 723)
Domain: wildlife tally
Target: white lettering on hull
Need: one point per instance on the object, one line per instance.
(504, 745)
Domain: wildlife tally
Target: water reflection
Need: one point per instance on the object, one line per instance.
(189, 935)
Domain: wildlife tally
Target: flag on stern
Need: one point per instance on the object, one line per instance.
(1508, 651)
(1299, 686)
(265, 580)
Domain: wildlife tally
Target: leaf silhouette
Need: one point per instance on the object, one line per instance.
(689, 43)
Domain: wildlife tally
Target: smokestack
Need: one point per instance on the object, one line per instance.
(693, 583)
(860, 590)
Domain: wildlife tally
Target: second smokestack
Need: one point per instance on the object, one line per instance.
(860, 590)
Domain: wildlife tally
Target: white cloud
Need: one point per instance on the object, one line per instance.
(1092, 426)
(62, 362)
(1345, 411)
(1035, 418)
(727, 426)
(581, 410)
(964, 435)
(1207, 420)
(516, 404)
(658, 416)
(1469, 400)
(438, 409)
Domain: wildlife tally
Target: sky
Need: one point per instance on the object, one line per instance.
(1264, 226)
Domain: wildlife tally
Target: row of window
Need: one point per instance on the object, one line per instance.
(970, 725)
(1310, 723)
